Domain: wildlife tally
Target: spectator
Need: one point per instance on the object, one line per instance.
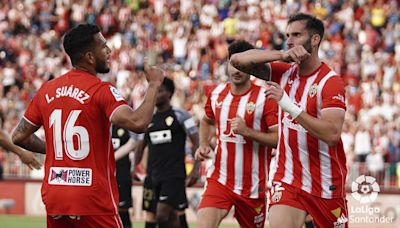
(362, 143)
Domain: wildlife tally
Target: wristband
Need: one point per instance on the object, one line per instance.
(288, 106)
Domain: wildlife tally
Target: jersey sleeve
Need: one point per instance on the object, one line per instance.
(32, 113)
(277, 69)
(109, 98)
(208, 109)
(333, 94)
(271, 113)
(187, 121)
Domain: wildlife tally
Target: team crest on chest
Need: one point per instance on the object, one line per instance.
(169, 120)
(250, 107)
(120, 132)
(313, 90)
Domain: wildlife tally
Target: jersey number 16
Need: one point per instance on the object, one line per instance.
(67, 136)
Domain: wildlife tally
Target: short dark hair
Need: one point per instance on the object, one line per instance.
(169, 85)
(239, 46)
(79, 40)
(313, 24)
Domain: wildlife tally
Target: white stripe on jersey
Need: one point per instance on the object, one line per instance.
(302, 141)
(238, 187)
(325, 163)
(214, 96)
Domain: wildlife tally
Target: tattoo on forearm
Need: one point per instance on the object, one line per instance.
(24, 133)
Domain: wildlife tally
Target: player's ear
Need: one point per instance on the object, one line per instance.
(89, 56)
(315, 39)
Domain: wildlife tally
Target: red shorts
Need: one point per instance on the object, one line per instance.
(87, 221)
(325, 212)
(249, 212)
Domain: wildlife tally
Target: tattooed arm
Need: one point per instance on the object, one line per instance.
(24, 137)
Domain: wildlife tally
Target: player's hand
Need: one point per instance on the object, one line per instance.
(274, 91)
(295, 54)
(239, 126)
(29, 159)
(153, 74)
(203, 152)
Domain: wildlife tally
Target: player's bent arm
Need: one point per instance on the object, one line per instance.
(206, 131)
(125, 149)
(328, 128)
(23, 136)
(269, 138)
(253, 61)
(139, 119)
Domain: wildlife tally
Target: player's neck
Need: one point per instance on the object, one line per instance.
(241, 88)
(309, 65)
(86, 69)
(163, 107)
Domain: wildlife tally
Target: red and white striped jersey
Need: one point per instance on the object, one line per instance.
(305, 161)
(240, 163)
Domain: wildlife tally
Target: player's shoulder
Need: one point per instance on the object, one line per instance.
(180, 113)
(220, 87)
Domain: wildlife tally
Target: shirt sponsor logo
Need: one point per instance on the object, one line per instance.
(117, 95)
(229, 135)
(70, 176)
(291, 123)
(159, 137)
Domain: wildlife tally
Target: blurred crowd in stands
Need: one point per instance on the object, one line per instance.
(189, 38)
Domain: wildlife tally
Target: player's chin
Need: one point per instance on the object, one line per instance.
(104, 70)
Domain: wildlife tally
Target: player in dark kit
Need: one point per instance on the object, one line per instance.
(123, 144)
(166, 139)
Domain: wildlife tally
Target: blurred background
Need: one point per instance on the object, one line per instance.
(189, 39)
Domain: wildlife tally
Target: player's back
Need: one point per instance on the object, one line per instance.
(79, 166)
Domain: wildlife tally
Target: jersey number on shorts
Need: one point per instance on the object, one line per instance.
(70, 132)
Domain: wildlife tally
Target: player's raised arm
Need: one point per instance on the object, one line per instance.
(138, 120)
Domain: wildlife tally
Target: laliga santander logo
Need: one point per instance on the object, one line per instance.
(365, 189)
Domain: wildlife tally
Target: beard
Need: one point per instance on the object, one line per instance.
(101, 67)
(307, 45)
